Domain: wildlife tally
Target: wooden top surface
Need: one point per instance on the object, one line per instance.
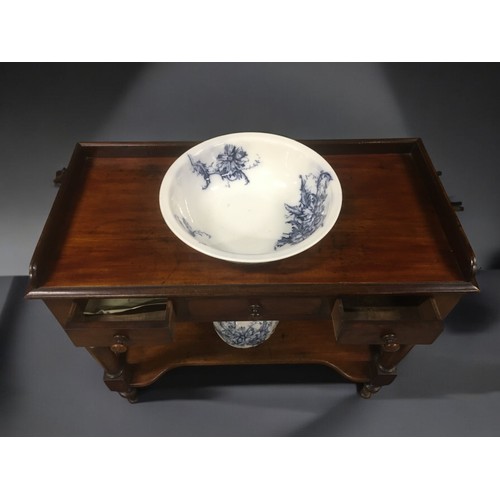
(396, 229)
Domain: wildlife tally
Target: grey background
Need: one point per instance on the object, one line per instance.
(49, 387)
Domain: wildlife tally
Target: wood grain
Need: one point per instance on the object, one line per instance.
(390, 231)
(197, 344)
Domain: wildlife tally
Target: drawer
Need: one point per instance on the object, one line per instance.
(108, 322)
(248, 308)
(367, 320)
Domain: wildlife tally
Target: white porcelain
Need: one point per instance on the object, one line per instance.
(250, 197)
(245, 334)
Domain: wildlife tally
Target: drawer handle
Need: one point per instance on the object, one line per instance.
(255, 310)
(390, 343)
(120, 345)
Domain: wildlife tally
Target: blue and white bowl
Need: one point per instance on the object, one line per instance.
(250, 197)
(245, 333)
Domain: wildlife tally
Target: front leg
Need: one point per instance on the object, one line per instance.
(117, 372)
(384, 362)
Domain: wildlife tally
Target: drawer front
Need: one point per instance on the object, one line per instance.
(248, 309)
(138, 327)
(370, 321)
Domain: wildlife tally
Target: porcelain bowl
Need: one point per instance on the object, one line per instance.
(250, 197)
(244, 334)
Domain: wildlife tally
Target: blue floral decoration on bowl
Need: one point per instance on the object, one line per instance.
(193, 232)
(229, 165)
(311, 211)
(250, 197)
(244, 333)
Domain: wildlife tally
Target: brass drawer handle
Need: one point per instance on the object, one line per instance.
(120, 345)
(390, 343)
(255, 310)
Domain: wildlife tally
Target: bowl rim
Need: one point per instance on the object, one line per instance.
(276, 255)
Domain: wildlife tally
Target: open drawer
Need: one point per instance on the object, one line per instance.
(369, 319)
(113, 322)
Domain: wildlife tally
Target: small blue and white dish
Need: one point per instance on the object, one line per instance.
(250, 197)
(244, 334)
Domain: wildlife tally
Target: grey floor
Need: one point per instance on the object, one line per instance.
(48, 387)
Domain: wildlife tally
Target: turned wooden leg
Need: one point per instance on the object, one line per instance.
(116, 370)
(384, 363)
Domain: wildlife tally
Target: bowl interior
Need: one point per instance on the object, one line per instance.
(250, 197)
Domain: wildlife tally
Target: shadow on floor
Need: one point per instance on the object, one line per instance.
(201, 382)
